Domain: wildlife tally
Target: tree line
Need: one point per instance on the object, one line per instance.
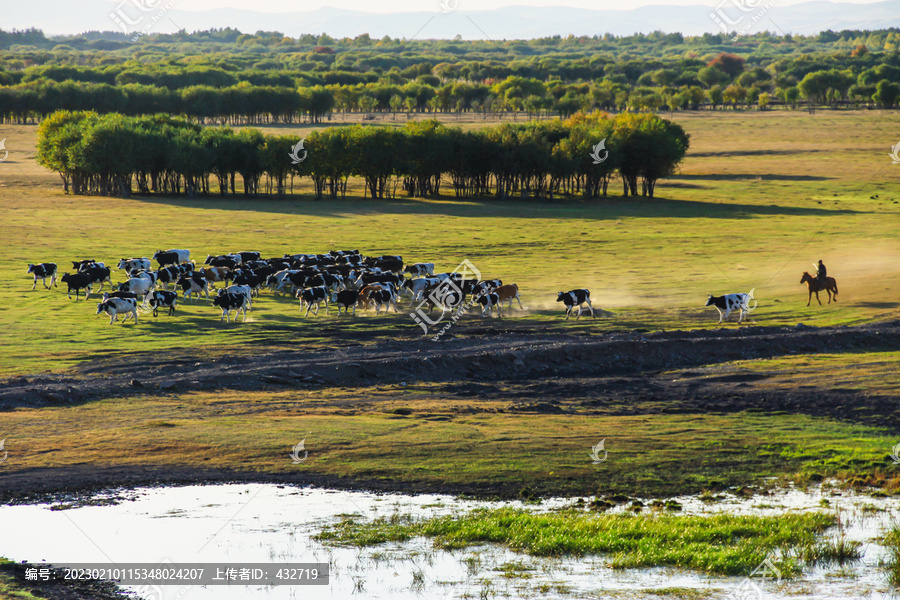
(120, 155)
(725, 80)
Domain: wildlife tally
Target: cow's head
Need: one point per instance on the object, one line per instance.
(709, 300)
(101, 307)
(30, 268)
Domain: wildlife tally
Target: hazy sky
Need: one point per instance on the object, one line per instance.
(387, 6)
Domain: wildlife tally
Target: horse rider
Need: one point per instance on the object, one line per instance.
(821, 274)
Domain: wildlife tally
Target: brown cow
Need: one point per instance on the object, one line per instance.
(509, 292)
(365, 294)
(216, 274)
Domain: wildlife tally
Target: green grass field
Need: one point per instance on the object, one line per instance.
(738, 216)
(759, 198)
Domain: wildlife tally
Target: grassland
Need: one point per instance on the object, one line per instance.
(737, 217)
(359, 436)
(759, 198)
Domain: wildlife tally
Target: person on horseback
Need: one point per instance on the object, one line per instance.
(821, 274)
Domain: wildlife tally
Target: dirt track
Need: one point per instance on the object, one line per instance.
(511, 356)
(620, 373)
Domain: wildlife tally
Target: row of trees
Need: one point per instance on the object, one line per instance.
(118, 155)
(243, 103)
(726, 80)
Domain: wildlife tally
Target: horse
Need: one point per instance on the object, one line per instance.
(815, 287)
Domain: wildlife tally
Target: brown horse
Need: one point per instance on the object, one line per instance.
(815, 287)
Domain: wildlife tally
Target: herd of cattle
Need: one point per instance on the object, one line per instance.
(344, 278)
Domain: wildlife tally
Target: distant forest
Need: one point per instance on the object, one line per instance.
(228, 77)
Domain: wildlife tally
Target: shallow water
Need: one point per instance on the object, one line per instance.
(269, 523)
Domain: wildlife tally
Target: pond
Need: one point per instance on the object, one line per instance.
(266, 523)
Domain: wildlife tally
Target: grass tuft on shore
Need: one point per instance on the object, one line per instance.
(720, 544)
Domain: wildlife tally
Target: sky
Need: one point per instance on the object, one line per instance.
(390, 6)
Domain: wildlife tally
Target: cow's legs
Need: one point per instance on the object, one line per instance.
(720, 313)
(591, 306)
(519, 300)
(35, 284)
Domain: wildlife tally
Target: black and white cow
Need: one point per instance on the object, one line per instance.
(108, 295)
(575, 299)
(232, 302)
(418, 287)
(99, 274)
(247, 256)
(168, 275)
(150, 276)
(313, 296)
(240, 289)
(388, 264)
(136, 285)
(481, 287)
(119, 306)
(81, 265)
(42, 271)
(251, 280)
(135, 264)
(729, 302)
(171, 257)
(193, 284)
(254, 265)
(349, 259)
(489, 301)
(77, 282)
(420, 270)
(162, 299)
(229, 261)
(369, 278)
(383, 297)
(334, 282)
(346, 299)
(276, 282)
